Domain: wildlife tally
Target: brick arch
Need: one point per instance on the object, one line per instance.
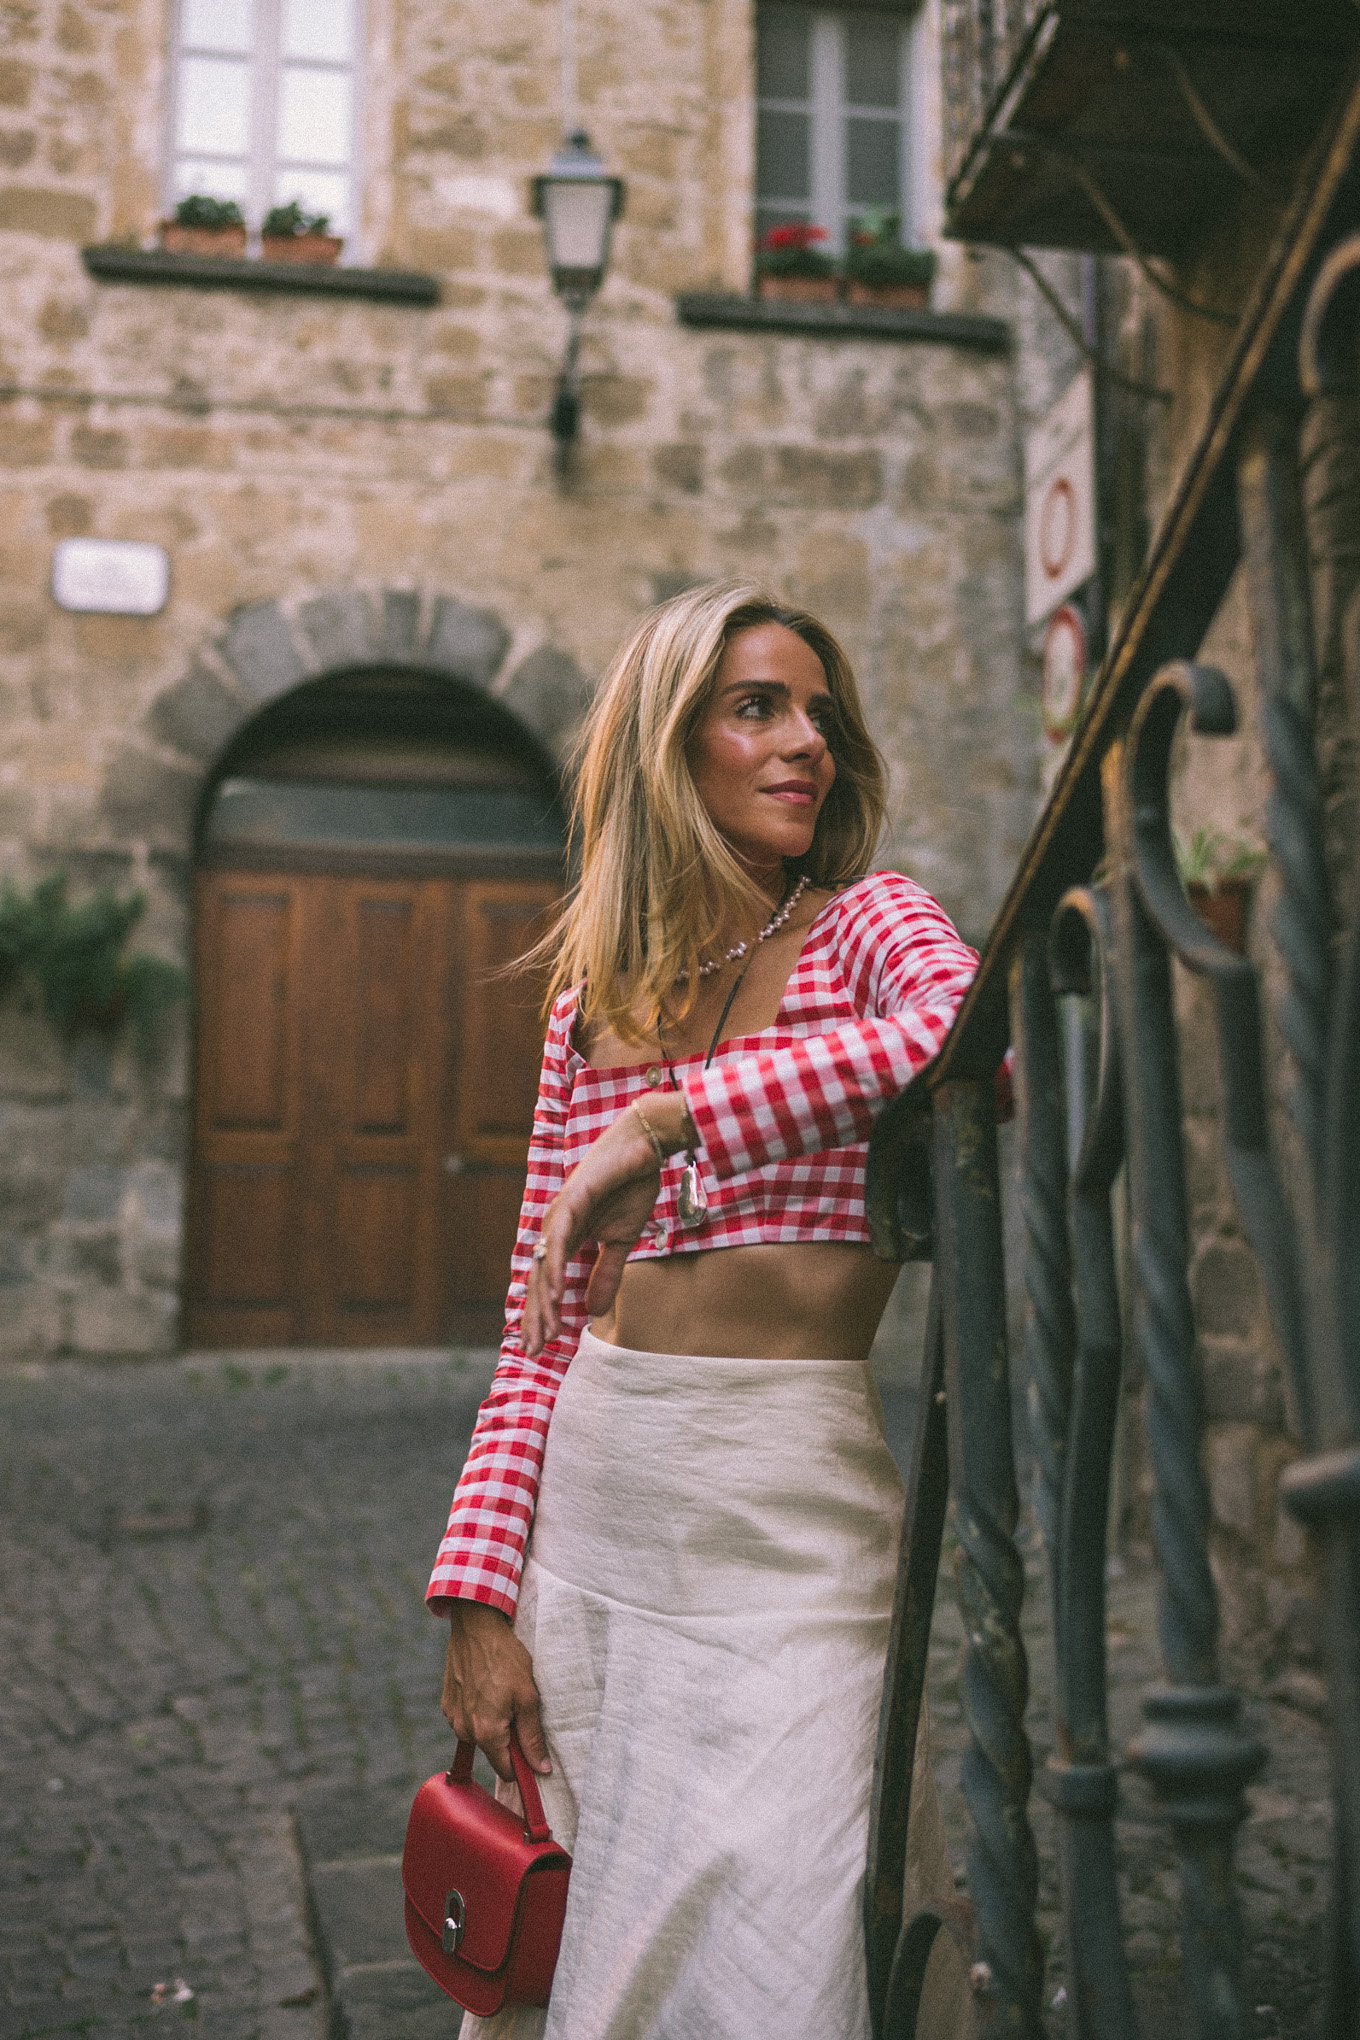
(268, 648)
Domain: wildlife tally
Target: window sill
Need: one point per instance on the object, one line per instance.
(850, 322)
(227, 272)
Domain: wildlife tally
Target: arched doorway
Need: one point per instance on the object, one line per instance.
(372, 850)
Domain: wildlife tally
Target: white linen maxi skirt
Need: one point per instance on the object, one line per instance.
(706, 1599)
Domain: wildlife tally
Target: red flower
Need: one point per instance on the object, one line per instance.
(801, 234)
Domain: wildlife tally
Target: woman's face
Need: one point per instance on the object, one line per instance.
(759, 754)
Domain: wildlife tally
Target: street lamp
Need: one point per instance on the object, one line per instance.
(578, 203)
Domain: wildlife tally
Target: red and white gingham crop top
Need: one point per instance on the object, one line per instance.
(783, 1116)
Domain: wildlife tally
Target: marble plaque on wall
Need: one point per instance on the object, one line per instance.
(110, 576)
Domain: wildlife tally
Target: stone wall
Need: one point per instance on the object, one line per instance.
(324, 473)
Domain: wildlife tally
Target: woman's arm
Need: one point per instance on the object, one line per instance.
(488, 1675)
(482, 1551)
(908, 970)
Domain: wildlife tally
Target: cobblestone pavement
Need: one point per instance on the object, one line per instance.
(213, 1643)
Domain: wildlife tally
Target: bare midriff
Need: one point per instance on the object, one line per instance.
(818, 1300)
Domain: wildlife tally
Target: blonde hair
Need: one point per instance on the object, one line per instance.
(657, 880)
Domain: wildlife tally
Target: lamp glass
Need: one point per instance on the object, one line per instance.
(576, 215)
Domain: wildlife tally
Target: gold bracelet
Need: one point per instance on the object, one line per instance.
(651, 1134)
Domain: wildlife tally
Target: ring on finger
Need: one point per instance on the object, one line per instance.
(540, 1252)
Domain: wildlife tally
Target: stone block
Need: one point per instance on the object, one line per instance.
(549, 692)
(400, 622)
(199, 715)
(114, 1321)
(1225, 1289)
(13, 1259)
(470, 643)
(74, 1260)
(97, 447)
(260, 650)
(32, 1321)
(32, 1060)
(148, 799)
(16, 82)
(615, 399)
(94, 1193)
(154, 1194)
(1230, 1454)
(680, 467)
(53, 215)
(154, 1257)
(25, 442)
(339, 628)
(91, 1060)
(806, 477)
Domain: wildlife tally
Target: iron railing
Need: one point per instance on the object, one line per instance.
(1078, 974)
(983, 41)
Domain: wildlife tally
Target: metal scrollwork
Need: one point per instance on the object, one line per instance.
(1192, 1749)
(1257, 1189)
(1079, 1778)
(984, 1509)
(895, 1953)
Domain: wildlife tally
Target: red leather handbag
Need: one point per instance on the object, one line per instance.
(485, 1892)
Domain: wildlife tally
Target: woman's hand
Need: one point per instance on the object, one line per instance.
(608, 1197)
(489, 1685)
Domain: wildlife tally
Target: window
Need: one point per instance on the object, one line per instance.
(833, 138)
(263, 107)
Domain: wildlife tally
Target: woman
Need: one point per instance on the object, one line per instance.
(681, 1607)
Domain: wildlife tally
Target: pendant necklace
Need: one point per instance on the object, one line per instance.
(692, 1198)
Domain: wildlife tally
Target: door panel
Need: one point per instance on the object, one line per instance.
(247, 1077)
(246, 1236)
(502, 1048)
(385, 1001)
(498, 1078)
(375, 1239)
(365, 1098)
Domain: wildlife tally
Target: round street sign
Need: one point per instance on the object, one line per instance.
(1064, 671)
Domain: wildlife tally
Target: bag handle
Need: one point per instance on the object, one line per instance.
(536, 1827)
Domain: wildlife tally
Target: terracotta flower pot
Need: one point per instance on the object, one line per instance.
(323, 248)
(799, 290)
(1223, 910)
(178, 240)
(896, 297)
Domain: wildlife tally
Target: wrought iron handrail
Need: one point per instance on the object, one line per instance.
(1095, 1093)
(983, 43)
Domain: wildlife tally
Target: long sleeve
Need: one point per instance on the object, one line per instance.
(908, 970)
(482, 1552)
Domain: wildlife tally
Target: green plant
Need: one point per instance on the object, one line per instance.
(197, 211)
(1210, 859)
(792, 251)
(287, 222)
(876, 255)
(73, 955)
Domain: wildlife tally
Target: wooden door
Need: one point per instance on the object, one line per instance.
(364, 1102)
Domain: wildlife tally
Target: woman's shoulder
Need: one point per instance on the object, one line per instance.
(562, 1017)
(884, 900)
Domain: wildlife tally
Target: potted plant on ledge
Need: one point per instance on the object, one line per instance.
(879, 270)
(205, 226)
(1219, 872)
(288, 234)
(790, 265)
